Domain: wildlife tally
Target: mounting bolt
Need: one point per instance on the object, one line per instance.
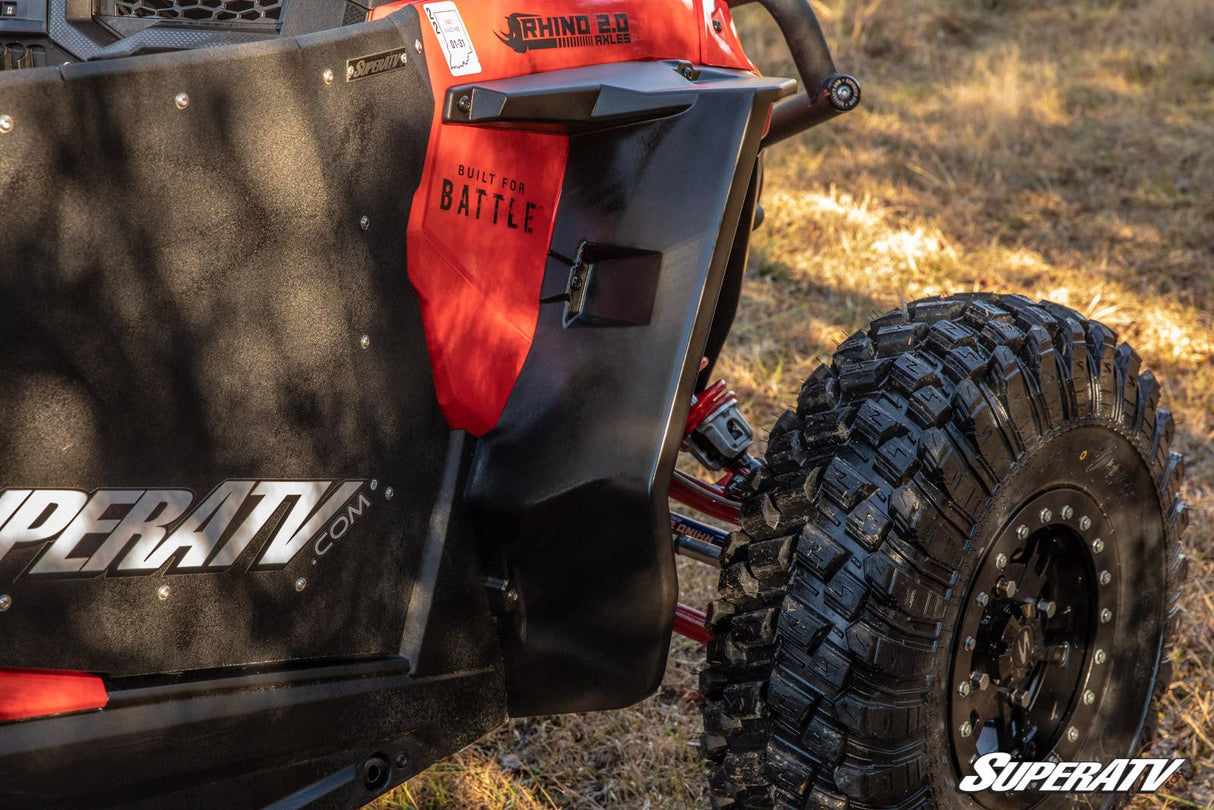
(970, 643)
(349, 72)
(6, 124)
(364, 222)
(1005, 588)
(1072, 734)
(1106, 616)
(327, 76)
(1089, 697)
(963, 688)
(1022, 532)
(1047, 607)
(575, 282)
(982, 598)
(688, 73)
(402, 759)
(1067, 512)
(389, 492)
(162, 593)
(1001, 561)
(374, 481)
(1046, 516)
(6, 602)
(465, 104)
(365, 343)
(980, 680)
(1105, 577)
(1085, 523)
(417, 45)
(1101, 656)
(1020, 697)
(181, 100)
(1097, 545)
(301, 583)
(717, 26)
(404, 58)
(966, 729)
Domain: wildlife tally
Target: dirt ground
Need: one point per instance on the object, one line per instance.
(1059, 148)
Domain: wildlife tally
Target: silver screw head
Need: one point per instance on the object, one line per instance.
(963, 688)
(1072, 734)
(1046, 516)
(349, 72)
(6, 124)
(966, 729)
(1106, 616)
(162, 593)
(365, 343)
(1097, 545)
(301, 583)
(465, 103)
(389, 492)
(970, 644)
(1085, 523)
(327, 76)
(1101, 656)
(1022, 532)
(417, 45)
(374, 481)
(404, 58)
(6, 602)
(1001, 561)
(1105, 577)
(1067, 512)
(181, 100)
(982, 598)
(364, 222)
(1089, 697)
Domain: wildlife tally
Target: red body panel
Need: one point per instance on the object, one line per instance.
(482, 217)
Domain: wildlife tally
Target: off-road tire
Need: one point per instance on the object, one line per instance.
(828, 678)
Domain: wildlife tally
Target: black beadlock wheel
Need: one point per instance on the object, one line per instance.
(966, 540)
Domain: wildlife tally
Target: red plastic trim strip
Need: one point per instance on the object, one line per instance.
(26, 693)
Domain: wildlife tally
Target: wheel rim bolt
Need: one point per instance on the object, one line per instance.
(1105, 577)
(1106, 616)
(1085, 523)
(966, 729)
(963, 688)
(1097, 545)
(1001, 561)
(970, 643)
(980, 680)
(1022, 532)
(1101, 656)
(1047, 607)
(1046, 516)
(982, 598)
(1005, 588)
(1089, 697)
(1072, 734)
(1019, 697)
(1067, 512)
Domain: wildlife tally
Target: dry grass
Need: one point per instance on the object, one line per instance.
(1060, 148)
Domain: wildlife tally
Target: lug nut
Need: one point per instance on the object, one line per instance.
(982, 598)
(1001, 561)
(1072, 734)
(970, 643)
(1028, 609)
(1105, 577)
(963, 688)
(1019, 697)
(1047, 607)
(1101, 656)
(1089, 697)
(1067, 512)
(1097, 545)
(1046, 516)
(1005, 588)
(1106, 616)
(966, 729)
(1058, 653)
(1022, 532)
(980, 680)
(1085, 523)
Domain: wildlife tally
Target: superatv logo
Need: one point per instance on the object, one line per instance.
(373, 65)
(526, 32)
(140, 531)
(997, 772)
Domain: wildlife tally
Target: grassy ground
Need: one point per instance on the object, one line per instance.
(1060, 148)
